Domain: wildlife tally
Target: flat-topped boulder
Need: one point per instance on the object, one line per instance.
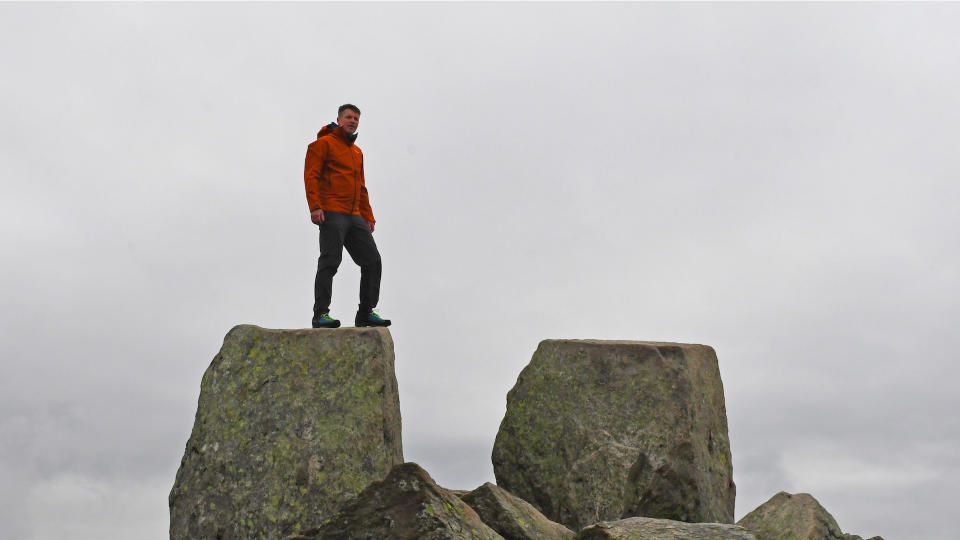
(640, 528)
(512, 517)
(798, 516)
(604, 430)
(290, 425)
(406, 505)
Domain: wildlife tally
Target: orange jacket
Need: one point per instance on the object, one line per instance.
(333, 174)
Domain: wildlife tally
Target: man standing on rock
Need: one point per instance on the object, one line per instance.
(340, 206)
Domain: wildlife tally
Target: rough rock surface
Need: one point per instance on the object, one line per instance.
(794, 517)
(406, 505)
(512, 517)
(639, 528)
(603, 430)
(290, 425)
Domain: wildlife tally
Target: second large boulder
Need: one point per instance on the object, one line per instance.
(603, 430)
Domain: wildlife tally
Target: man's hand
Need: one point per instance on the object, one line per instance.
(317, 216)
(371, 225)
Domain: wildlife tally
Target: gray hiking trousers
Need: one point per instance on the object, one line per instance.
(349, 231)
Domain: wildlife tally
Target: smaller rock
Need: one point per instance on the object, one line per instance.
(640, 528)
(406, 505)
(794, 517)
(513, 517)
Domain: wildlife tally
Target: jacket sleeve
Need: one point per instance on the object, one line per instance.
(312, 171)
(365, 210)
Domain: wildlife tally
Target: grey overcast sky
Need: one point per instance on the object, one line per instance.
(778, 181)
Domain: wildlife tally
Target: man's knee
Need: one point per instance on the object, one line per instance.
(372, 263)
(329, 263)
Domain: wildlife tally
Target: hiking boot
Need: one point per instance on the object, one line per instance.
(325, 321)
(370, 318)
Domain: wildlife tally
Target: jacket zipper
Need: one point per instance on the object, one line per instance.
(356, 181)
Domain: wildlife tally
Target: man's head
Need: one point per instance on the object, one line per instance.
(348, 116)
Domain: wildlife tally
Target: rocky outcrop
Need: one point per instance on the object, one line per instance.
(512, 517)
(794, 517)
(639, 528)
(290, 424)
(406, 505)
(602, 430)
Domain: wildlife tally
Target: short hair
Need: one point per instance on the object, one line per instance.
(346, 106)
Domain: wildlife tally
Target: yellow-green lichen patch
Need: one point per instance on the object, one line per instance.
(584, 414)
(274, 401)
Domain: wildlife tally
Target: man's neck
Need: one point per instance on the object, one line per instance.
(347, 136)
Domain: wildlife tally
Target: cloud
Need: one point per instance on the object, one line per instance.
(814, 465)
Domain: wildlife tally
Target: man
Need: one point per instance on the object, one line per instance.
(340, 206)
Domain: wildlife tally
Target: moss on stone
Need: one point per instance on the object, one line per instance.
(293, 423)
(406, 504)
(589, 424)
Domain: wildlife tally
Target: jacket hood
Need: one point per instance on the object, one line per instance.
(334, 128)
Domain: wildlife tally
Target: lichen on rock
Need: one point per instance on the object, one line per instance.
(512, 517)
(603, 430)
(290, 425)
(406, 505)
(797, 516)
(639, 528)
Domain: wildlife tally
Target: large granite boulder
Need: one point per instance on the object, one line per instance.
(406, 505)
(794, 517)
(512, 517)
(639, 528)
(603, 430)
(290, 425)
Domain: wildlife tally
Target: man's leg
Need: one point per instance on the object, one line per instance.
(332, 233)
(363, 250)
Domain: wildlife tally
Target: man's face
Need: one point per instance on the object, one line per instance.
(349, 119)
